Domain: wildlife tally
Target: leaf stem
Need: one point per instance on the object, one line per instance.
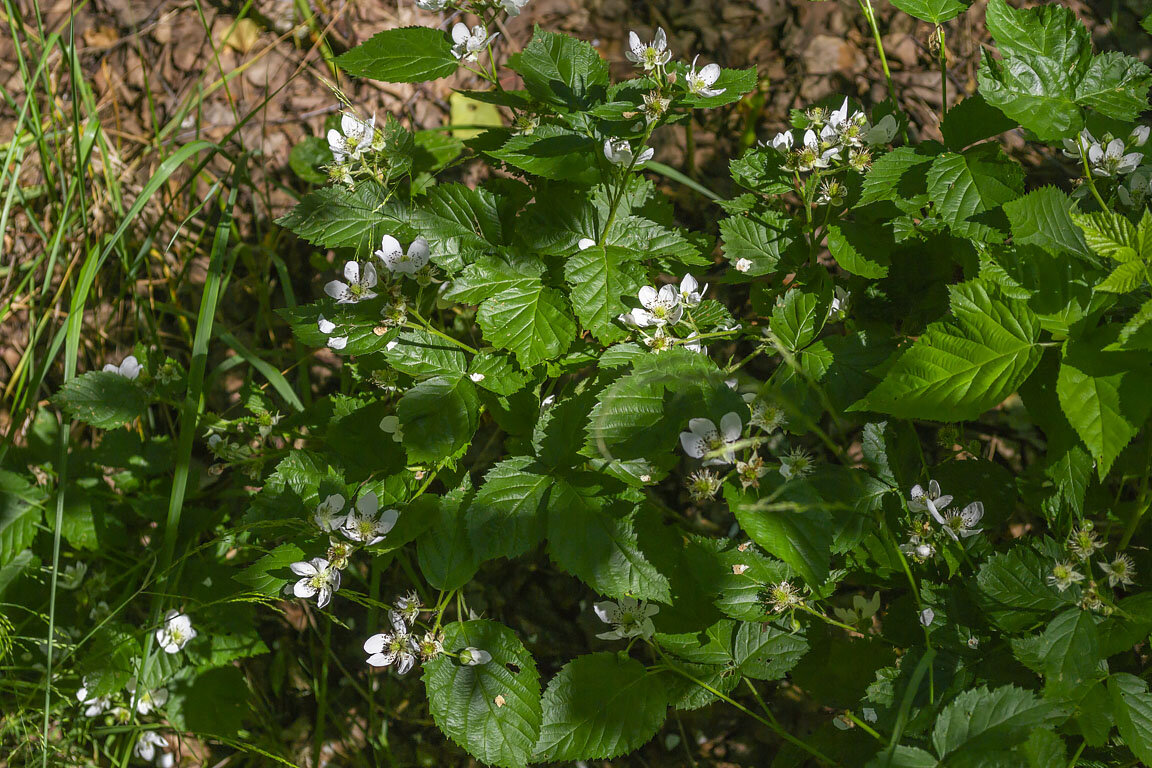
(426, 326)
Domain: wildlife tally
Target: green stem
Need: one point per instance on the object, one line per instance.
(1088, 175)
(623, 187)
(426, 326)
(943, 71)
(870, 16)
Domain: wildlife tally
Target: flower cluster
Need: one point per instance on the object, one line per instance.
(957, 524)
(362, 525)
(628, 616)
(834, 139)
(357, 150)
(664, 308)
(1081, 548)
(401, 648)
(1108, 157)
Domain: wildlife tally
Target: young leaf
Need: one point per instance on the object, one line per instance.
(421, 354)
(405, 55)
(1070, 650)
(963, 366)
(102, 399)
(798, 319)
(1043, 218)
(600, 706)
(1012, 588)
(793, 526)
(492, 709)
(562, 71)
(439, 417)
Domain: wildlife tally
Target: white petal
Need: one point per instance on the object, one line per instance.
(648, 296)
(369, 279)
(352, 272)
(418, 252)
(303, 589)
(336, 289)
(381, 659)
(604, 610)
(367, 504)
(460, 33)
(405, 664)
(338, 342)
(731, 427)
(668, 295)
(376, 643)
(326, 326)
(635, 45)
(387, 520)
(692, 444)
(585, 243)
(303, 568)
(660, 42)
(645, 156)
(710, 74)
(702, 427)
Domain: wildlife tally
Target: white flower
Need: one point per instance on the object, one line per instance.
(513, 7)
(628, 616)
(1111, 160)
(354, 136)
(319, 580)
(392, 426)
(473, 657)
(93, 705)
(1139, 136)
(408, 607)
(145, 748)
(146, 700)
(619, 152)
(926, 616)
(743, 265)
(844, 129)
(690, 291)
(176, 633)
(72, 576)
(328, 513)
(782, 142)
(648, 55)
(702, 439)
(397, 647)
(660, 307)
(811, 156)
(129, 369)
(358, 287)
(396, 260)
(469, 42)
(930, 500)
(1084, 139)
(1120, 571)
(1064, 575)
(700, 83)
(365, 524)
(434, 6)
(961, 524)
(840, 302)
(883, 132)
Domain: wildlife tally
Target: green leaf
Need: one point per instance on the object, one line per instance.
(1043, 218)
(595, 540)
(455, 211)
(552, 152)
(991, 719)
(561, 71)
(257, 576)
(1104, 394)
(500, 374)
(932, 11)
(963, 366)
(20, 512)
(734, 82)
(337, 217)
(896, 175)
(1070, 649)
(1111, 235)
(507, 517)
(793, 526)
(533, 322)
(494, 274)
(405, 55)
(102, 399)
(599, 276)
(974, 183)
(1012, 588)
(490, 710)
(1047, 73)
(1125, 278)
(1132, 704)
(308, 158)
(798, 319)
(860, 248)
(421, 354)
(600, 706)
(973, 120)
(445, 551)
(439, 417)
(761, 239)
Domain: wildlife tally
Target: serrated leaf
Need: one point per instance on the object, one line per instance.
(1104, 395)
(859, 248)
(962, 366)
(1110, 235)
(600, 706)
(973, 120)
(531, 321)
(258, 577)
(932, 11)
(1043, 218)
(996, 719)
(444, 550)
(552, 152)
(500, 374)
(762, 239)
(421, 354)
(1012, 588)
(1125, 278)
(455, 211)
(595, 540)
(599, 276)
(508, 515)
(489, 709)
(492, 274)
(405, 55)
(793, 526)
(973, 183)
(798, 319)
(561, 71)
(20, 513)
(1070, 650)
(892, 176)
(1132, 705)
(439, 417)
(337, 217)
(102, 399)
